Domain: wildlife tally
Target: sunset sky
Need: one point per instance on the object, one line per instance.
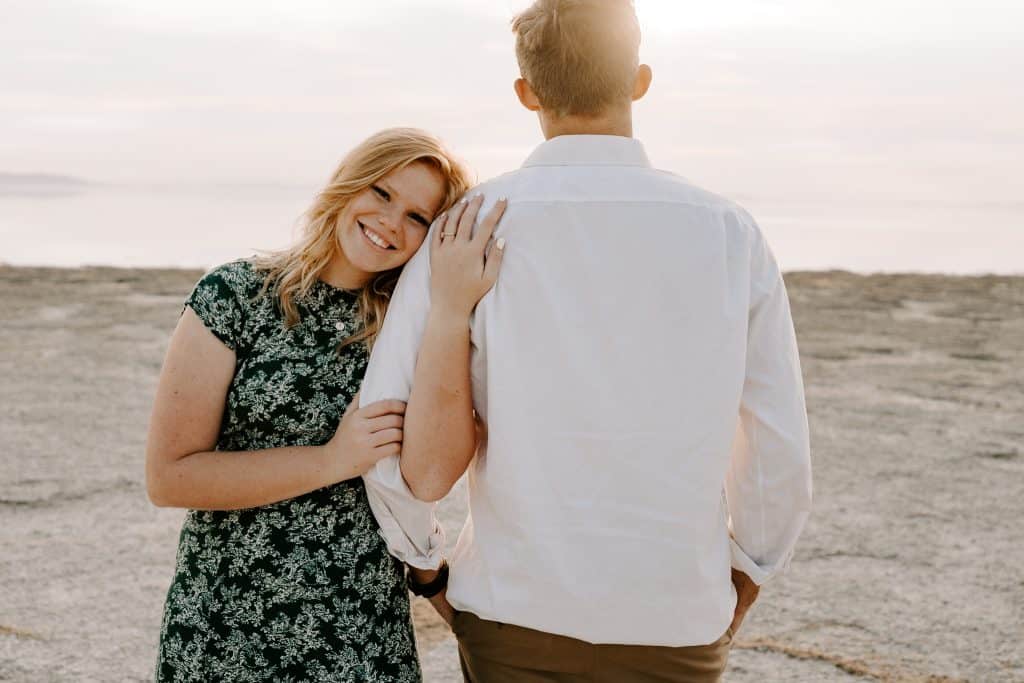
(867, 101)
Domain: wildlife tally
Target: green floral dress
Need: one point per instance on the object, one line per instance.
(304, 589)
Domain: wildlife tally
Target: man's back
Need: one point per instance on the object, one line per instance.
(610, 366)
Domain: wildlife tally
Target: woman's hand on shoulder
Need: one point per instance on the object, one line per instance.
(464, 263)
(366, 435)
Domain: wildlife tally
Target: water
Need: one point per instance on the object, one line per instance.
(201, 227)
(147, 226)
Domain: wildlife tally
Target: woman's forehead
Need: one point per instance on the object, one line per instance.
(418, 183)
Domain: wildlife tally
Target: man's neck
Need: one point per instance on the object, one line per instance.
(614, 123)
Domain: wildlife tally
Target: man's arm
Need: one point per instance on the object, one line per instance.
(768, 485)
(422, 354)
(408, 525)
(440, 433)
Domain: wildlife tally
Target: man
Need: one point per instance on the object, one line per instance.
(646, 461)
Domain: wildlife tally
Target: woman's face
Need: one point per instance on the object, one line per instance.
(384, 225)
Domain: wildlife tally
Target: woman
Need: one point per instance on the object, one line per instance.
(281, 573)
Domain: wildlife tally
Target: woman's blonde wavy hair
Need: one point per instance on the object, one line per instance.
(291, 273)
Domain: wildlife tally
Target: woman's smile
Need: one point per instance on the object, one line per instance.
(375, 238)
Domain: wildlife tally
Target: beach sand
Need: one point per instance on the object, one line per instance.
(909, 570)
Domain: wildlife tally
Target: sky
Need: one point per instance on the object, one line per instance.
(861, 101)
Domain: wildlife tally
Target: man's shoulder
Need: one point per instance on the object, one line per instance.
(681, 189)
(642, 183)
(500, 186)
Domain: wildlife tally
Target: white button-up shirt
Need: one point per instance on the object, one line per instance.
(637, 370)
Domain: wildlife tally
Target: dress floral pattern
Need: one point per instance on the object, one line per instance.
(304, 589)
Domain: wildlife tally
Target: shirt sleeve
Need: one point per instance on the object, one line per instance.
(768, 485)
(216, 301)
(407, 524)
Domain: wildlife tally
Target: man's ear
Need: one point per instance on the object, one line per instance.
(642, 81)
(526, 95)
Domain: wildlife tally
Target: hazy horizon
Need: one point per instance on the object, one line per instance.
(781, 102)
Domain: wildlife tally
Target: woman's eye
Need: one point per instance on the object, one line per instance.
(381, 193)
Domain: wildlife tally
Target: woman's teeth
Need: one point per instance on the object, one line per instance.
(375, 238)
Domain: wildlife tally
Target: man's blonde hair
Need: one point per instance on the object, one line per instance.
(579, 56)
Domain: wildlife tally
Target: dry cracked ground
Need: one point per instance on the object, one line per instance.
(909, 570)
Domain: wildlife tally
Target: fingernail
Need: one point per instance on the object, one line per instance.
(500, 244)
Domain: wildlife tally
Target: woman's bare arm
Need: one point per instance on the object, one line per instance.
(441, 435)
(182, 467)
(439, 419)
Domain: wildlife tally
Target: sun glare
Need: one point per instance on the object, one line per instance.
(683, 15)
(666, 14)
(686, 15)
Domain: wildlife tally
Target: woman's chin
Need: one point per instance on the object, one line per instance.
(371, 264)
(368, 260)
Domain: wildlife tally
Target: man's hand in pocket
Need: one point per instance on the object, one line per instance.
(746, 594)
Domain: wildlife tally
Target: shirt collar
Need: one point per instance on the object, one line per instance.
(589, 150)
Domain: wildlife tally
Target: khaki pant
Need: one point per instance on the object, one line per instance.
(491, 652)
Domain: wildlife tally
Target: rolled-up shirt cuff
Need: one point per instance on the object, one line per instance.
(407, 525)
(757, 574)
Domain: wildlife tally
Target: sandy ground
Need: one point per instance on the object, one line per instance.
(910, 569)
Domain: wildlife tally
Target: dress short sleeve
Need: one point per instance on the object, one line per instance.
(219, 299)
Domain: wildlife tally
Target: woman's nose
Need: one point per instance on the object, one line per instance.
(389, 221)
